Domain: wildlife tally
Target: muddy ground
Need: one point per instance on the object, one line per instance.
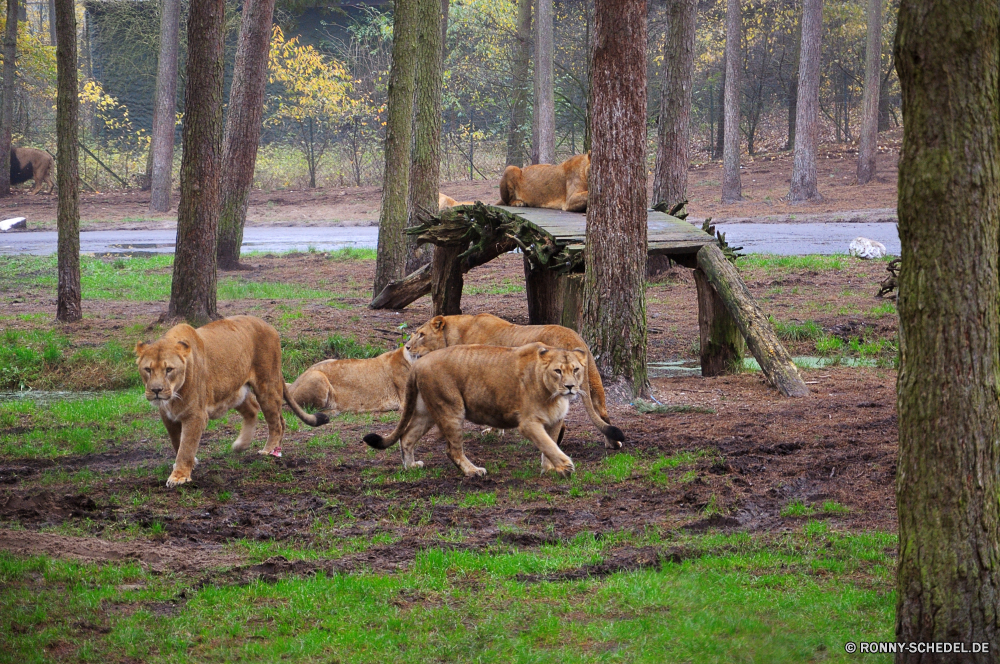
(749, 451)
(765, 180)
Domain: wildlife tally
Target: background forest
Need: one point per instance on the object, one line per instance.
(328, 73)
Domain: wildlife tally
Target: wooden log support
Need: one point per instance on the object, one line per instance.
(774, 360)
(446, 280)
(553, 297)
(722, 344)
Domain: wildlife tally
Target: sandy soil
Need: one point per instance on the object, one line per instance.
(765, 180)
(761, 451)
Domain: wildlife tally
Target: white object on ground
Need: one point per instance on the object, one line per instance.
(13, 223)
(862, 247)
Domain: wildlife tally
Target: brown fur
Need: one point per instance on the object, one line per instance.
(31, 164)
(354, 386)
(445, 202)
(558, 187)
(528, 388)
(196, 375)
(442, 331)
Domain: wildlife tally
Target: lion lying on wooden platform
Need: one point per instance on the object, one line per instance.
(557, 187)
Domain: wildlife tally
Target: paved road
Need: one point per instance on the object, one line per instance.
(802, 238)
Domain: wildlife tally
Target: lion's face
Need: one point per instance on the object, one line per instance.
(562, 371)
(163, 367)
(428, 337)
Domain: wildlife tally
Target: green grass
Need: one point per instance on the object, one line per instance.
(812, 262)
(352, 254)
(83, 426)
(829, 344)
(300, 352)
(795, 330)
(791, 598)
(43, 358)
(797, 508)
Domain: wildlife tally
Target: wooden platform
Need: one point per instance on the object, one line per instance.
(666, 235)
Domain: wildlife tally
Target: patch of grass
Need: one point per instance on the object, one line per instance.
(503, 287)
(796, 330)
(352, 254)
(887, 308)
(829, 344)
(790, 598)
(812, 262)
(797, 508)
(832, 507)
(479, 499)
(298, 353)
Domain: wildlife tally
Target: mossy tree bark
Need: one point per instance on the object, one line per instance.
(165, 107)
(426, 170)
(948, 477)
(670, 176)
(804, 179)
(68, 305)
(243, 125)
(614, 298)
(193, 291)
(516, 133)
(543, 119)
(390, 264)
(7, 103)
(868, 148)
(732, 188)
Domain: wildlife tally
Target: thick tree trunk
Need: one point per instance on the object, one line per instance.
(732, 189)
(193, 291)
(671, 174)
(868, 148)
(948, 476)
(425, 175)
(243, 125)
(720, 139)
(614, 298)
(447, 280)
(804, 180)
(7, 103)
(519, 102)
(390, 264)
(68, 305)
(165, 108)
(721, 343)
(543, 135)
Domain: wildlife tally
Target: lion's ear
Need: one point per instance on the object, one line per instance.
(183, 348)
(437, 323)
(543, 350)
(139, 347)
(581, 353)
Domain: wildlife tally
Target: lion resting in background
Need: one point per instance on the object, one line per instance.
(558, 187)
(31, 164)
(527, 388)
(193, 376)
(442, 331)
(445, 202)
(354, 386)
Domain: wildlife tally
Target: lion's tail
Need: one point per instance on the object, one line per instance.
(409, 406)
(312, 420)
(611, 432)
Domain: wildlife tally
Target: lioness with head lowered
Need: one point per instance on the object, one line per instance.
(31, 164)
(354, 386)
(444, 331)
(527, 388)
(193, 376)
(555, 186)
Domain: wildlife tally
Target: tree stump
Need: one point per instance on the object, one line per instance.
(553, 298)
(446, 280)
(774, 360)
(722, 344)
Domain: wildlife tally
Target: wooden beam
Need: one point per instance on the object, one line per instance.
(446, 280)
(774, 360)
(721, 342)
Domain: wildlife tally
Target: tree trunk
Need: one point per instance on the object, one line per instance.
(721, 343)
(52, 22)
(671, 174)
(720, 139)
(947, 481)
(543, 139)
(614, 298)
(243, 125)
(68, 305)
(425, 174)
(165, 107)
(7, 104)
(193, 291)
(732, 189)
(519, 102)
(390, 264)
(804, 180)
(868, 148)
(793, 101)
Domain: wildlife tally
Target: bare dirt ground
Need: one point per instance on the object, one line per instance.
(765, 178)
(752, 452)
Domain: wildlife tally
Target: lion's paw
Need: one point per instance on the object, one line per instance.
(177, 479)
(475, 471)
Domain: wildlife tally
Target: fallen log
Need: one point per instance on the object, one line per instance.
(774, 360)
